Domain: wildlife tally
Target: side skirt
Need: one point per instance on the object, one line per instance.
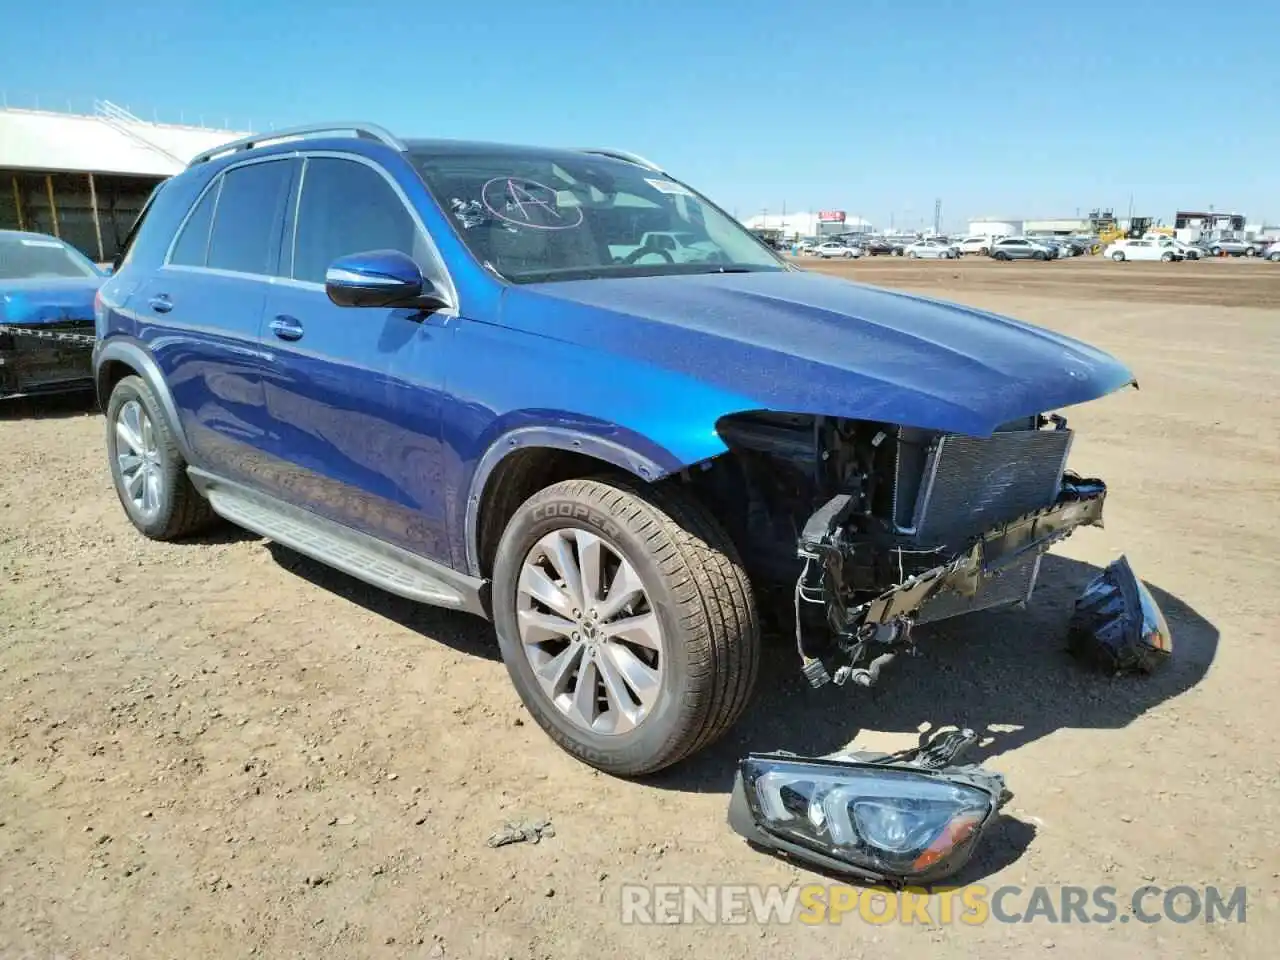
(366, 558)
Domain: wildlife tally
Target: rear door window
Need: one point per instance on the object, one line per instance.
(251, 208)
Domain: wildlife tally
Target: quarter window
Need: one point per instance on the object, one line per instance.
(348, 207)
(245, 235)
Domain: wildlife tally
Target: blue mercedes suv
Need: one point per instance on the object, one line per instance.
(562, 390)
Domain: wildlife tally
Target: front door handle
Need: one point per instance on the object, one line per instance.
(161, 303)
(286, 328)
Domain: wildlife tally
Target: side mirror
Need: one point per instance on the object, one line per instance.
(380, 278)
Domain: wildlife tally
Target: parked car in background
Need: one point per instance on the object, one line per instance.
(1019, 248)
(1232, 247)
(1123, 250)
(832, 249)
(1188, 251)
(1070, 246)
(46, 315)
(931, 250)
(1272, 252)
(978, 245)
(421, 363)
(877, 246)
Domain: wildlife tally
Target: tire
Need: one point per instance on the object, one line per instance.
(1167, 257)
(1041, 255)
(1216, 251)
(911, 255)
(1000, 255)
(984, 251)
(696, 587)
(1250, 252)
(176, 509)
(1275, 257)
(1118, 257)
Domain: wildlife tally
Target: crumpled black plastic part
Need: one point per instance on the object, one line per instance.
(1117, 626)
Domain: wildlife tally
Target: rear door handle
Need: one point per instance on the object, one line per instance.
(286, 328)
(161, 303)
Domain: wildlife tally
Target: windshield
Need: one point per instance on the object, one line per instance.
(38, 258)
(555, 215)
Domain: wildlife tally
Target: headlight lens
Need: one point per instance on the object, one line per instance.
(887, 820)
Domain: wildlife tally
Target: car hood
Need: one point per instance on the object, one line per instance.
(801, 342)
(52, 300)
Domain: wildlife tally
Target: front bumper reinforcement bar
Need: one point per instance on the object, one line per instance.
(877, 630)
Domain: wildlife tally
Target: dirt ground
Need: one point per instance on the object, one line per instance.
(219, 748)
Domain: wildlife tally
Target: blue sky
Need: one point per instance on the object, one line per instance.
(1022, 108)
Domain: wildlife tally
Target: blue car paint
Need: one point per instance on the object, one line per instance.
(397, 442)
(798, 342)
(44, 301)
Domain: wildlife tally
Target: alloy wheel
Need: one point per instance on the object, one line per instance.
(138, 456)
(590, 632)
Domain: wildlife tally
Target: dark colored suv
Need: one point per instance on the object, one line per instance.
(472, 375)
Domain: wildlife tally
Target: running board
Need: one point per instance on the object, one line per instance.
(357, 554)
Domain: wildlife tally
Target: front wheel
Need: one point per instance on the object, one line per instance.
(626, 622)
(912, 255)
(1167, 257)
(1118, 257)
(1275, 257)
(1250, 252)
(1041, 255)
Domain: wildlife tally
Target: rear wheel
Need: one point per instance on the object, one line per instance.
(1275, 257)
(626, 622)
(1041, 255)
(1249, 252)
(147, 468)
(1000, 255)
(911, 255)
(1167, 257)
(1117, 256)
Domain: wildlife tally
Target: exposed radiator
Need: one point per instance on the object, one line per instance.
(973, 484)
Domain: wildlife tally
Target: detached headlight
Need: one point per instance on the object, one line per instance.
(880, 820)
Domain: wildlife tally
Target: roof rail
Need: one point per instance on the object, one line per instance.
(625, 157)
(366, 131)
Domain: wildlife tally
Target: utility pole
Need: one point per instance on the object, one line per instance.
(937, 216)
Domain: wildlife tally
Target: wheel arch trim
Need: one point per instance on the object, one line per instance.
(554, 438)
(134, 355)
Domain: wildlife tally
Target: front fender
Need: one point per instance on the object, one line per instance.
(134, 355)
(525, 390)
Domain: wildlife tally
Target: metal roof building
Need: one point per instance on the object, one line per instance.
(84, 178)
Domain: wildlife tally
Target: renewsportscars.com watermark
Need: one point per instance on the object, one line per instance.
(973, 905)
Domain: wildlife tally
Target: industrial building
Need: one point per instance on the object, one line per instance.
(84, 178)
(991, 227)
(793, 226)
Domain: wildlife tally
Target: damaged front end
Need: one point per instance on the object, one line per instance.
(874, 631)
(911, 526)
(45, 358)
(910, 818)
